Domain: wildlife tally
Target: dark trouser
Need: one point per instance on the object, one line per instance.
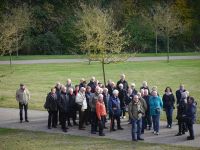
(123, 111)
(52, 118)
(181, 126)
(59, 116)
(87, 116)
(146, 122)
(21, 107)
(136, 128)
(101, 124)
(169, 113)
(93, 121)
(81, 118)
(156, 122)
(56, 118)
(63, 117)
(117, 117)
(72, 114)
(191, 130)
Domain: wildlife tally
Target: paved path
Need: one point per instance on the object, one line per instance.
(38, 122)
(48, 61)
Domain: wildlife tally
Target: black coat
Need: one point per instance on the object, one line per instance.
(178, 95)
(146, 98)
(168, 101)
(72, 101)
(51, 102)
(122, 97)
(64, 103)
(181, 109)
(125, 84)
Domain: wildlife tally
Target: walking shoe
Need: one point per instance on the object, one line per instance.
(113, 129)
(26, 120)
(141, 139)
(81, 128)
(49, 127)
(54, 126)
(154, 132)
(102, 134)
(120, 128)
(93, 132)
(157, 133)
(20, 121)
(134, 140)
(190, 138)
(178, 134)
(64, 130)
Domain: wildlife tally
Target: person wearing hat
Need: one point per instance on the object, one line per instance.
(23, 97)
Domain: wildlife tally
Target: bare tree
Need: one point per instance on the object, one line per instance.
(164, 20)
(102, 42)
(12, 30)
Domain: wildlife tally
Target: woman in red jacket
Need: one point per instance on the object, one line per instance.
(101, 114)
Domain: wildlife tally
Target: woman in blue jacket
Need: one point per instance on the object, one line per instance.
(156, 105)
(190, 116)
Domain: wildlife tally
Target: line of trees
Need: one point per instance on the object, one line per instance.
(54, 27)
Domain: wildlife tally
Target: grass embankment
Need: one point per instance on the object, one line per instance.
(21, 140)
(37, 57)
(39, 78)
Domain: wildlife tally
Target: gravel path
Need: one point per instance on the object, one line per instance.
(9, 118)
(48, 61)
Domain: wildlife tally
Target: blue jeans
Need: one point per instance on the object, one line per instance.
(156, 122)
(136, 128)
(169, 113)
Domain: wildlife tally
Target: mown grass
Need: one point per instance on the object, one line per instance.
(36, 57)
(39, 78)
(22, 140)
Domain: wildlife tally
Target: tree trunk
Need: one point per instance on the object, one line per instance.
(167, 48)
(156, 42)
(10, 59)
(104, 76)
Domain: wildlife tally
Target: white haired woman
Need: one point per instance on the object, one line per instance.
(115, 110)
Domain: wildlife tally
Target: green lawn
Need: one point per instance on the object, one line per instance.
(35, 57)
(39, 78)
(23, 140)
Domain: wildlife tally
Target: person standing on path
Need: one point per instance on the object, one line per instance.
(23, 97)
(52, 107)
(156, 105)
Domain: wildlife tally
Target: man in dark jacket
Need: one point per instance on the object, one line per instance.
(181, 110)
(58, 91)
(72, 107)
(52, 107)
(124, 82)
(179, 92)
(122, 97)
(147, 117)
(92, 84)
(64, 108)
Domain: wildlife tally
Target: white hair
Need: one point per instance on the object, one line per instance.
(115, 92)
(133, 84)
(144, 83)
(121, 85)
(100, 96)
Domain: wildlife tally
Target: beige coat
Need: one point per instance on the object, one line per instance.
(23, 96)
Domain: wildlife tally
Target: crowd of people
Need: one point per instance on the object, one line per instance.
(96, 104)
